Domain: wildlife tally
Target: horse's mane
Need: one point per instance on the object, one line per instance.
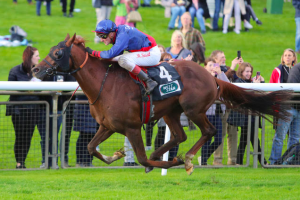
(79, 40)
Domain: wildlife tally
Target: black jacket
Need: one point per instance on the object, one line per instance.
(294, 77)
(17, 73)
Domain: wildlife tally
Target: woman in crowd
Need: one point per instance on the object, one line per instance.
(213, 113)
(177, 49)
(24, 116)
(280, 75)
(244, 73)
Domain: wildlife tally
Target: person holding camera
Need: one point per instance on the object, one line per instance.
(244, 73)
(213, 113)
(230, 72)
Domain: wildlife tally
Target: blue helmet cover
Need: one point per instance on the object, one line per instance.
(106, 26)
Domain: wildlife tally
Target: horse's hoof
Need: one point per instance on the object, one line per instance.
(148, 169)
(120, 154)
(190, 170)
(179, 160)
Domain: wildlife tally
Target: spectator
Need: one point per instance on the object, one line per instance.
(165, 57)
(161, 48)
(87, 127)
(177, 49)
(217, 14)
(296, 4)
(190, 34)
(197, 9)
(39, 4)
(213, 114)
(177, 9)
(123, 8)
(129, 158)
(24, 116)
(280, 75)
(244, 73)
(239, 6)
(29, 2)
(250, 13)
(220, 58)
(64, 8)
(103, 10)
(198, 52)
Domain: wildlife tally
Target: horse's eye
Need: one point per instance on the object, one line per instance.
(59, 54)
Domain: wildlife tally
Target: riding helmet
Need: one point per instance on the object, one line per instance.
(106, 26)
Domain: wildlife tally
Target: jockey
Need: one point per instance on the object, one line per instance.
(142, 47)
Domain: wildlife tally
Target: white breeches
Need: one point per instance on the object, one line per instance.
(141, 58)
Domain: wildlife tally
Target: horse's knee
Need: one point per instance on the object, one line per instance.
(91, 149)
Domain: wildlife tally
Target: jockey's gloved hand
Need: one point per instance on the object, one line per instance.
(89, 50)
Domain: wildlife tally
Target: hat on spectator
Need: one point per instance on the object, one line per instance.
(106, 26)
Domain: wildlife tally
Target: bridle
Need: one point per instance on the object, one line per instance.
(62, 60)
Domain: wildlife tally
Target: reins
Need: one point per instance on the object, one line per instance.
(101, 86)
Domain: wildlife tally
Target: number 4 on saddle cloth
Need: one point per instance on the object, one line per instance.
(169, 84)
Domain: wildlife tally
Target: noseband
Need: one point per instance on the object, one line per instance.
(62, 60)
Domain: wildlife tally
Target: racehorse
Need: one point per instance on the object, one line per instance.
(118, 107)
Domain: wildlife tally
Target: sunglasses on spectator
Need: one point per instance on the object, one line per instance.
(166, 59)
(103, 36)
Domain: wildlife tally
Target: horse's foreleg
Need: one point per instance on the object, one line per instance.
(101, 135)
(207, 130)
(135, 138)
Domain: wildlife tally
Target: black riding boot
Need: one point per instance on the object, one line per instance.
(151, 84)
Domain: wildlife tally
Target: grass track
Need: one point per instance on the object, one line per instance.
(135, 184)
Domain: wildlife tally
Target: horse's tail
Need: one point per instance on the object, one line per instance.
(259, 102)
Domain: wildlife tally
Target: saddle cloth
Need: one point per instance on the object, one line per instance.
(169, 84)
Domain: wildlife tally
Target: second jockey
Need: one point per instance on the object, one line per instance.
(142, 48)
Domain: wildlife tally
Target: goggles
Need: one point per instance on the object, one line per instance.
(101, 35)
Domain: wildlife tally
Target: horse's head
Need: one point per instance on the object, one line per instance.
(57, 61)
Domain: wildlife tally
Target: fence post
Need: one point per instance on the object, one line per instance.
(255, 142)
(54, 130)
(166, 155)
(248, 140)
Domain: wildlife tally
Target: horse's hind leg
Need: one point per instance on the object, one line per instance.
(101, 135)
(179, 136)
(135, 138)
(207, 130)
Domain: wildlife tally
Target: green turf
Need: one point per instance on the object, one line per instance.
(135, 184)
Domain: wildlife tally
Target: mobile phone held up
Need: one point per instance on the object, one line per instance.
(257, 75)
(216, 64)
(238, 54)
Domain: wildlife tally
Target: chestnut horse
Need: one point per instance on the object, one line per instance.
(118, 108)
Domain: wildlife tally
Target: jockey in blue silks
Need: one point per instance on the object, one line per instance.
(142, 48)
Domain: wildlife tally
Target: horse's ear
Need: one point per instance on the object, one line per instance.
(71, 40)
(67, 37)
